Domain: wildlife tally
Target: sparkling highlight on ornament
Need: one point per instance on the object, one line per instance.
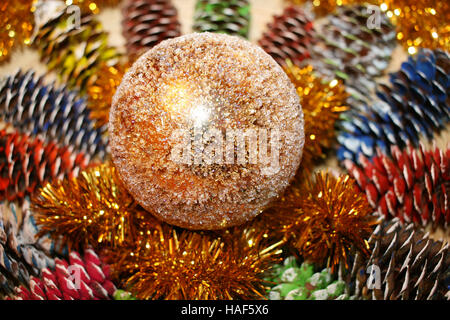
(206, 130)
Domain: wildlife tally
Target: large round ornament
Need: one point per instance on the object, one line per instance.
(206, 130)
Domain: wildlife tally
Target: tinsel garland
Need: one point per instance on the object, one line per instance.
(180, 264)
(101, 92)
(102, 213)
(330, 219)
(16, 26)
(321, 217)
(208, 265)
(322, 103)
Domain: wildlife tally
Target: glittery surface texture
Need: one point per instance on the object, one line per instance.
(207, 81)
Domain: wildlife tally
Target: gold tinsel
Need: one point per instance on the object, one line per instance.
(419, 23)
(180, 264)
(153, 259)
(322, 102)
(16, 25)
(100, 93)
(327, 219)
(92, 209)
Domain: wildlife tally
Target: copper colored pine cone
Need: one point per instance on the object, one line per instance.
(289, 36)
(148, 22)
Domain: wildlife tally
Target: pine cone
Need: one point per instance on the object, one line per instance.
(411, 265)
(148, 22)
(224, 16)
(75, 52)
(26, 164)
(21, 254)
(416, 103)
(351, 51)
(84, 278)
(413, 185)
(289, 36)
(296, 282)
(51, 113)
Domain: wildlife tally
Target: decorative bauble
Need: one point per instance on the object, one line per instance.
(206, 130)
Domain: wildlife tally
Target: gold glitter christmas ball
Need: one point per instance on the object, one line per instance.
(206, 130)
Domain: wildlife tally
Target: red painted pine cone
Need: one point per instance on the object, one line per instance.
(412, 185)
(26, 164)
(84, 278)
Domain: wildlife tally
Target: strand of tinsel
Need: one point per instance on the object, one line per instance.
(323, 218)
(171, 264)
(80, 278)
(146, 23)
(150, 258)
(223, 16)
(50, 113)
(16, 26)
(413, 185)
(322, 103)
(93, 209)
(22, 254)
(414, 104)
(101, 92)
(405, 264)
(27, 164)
